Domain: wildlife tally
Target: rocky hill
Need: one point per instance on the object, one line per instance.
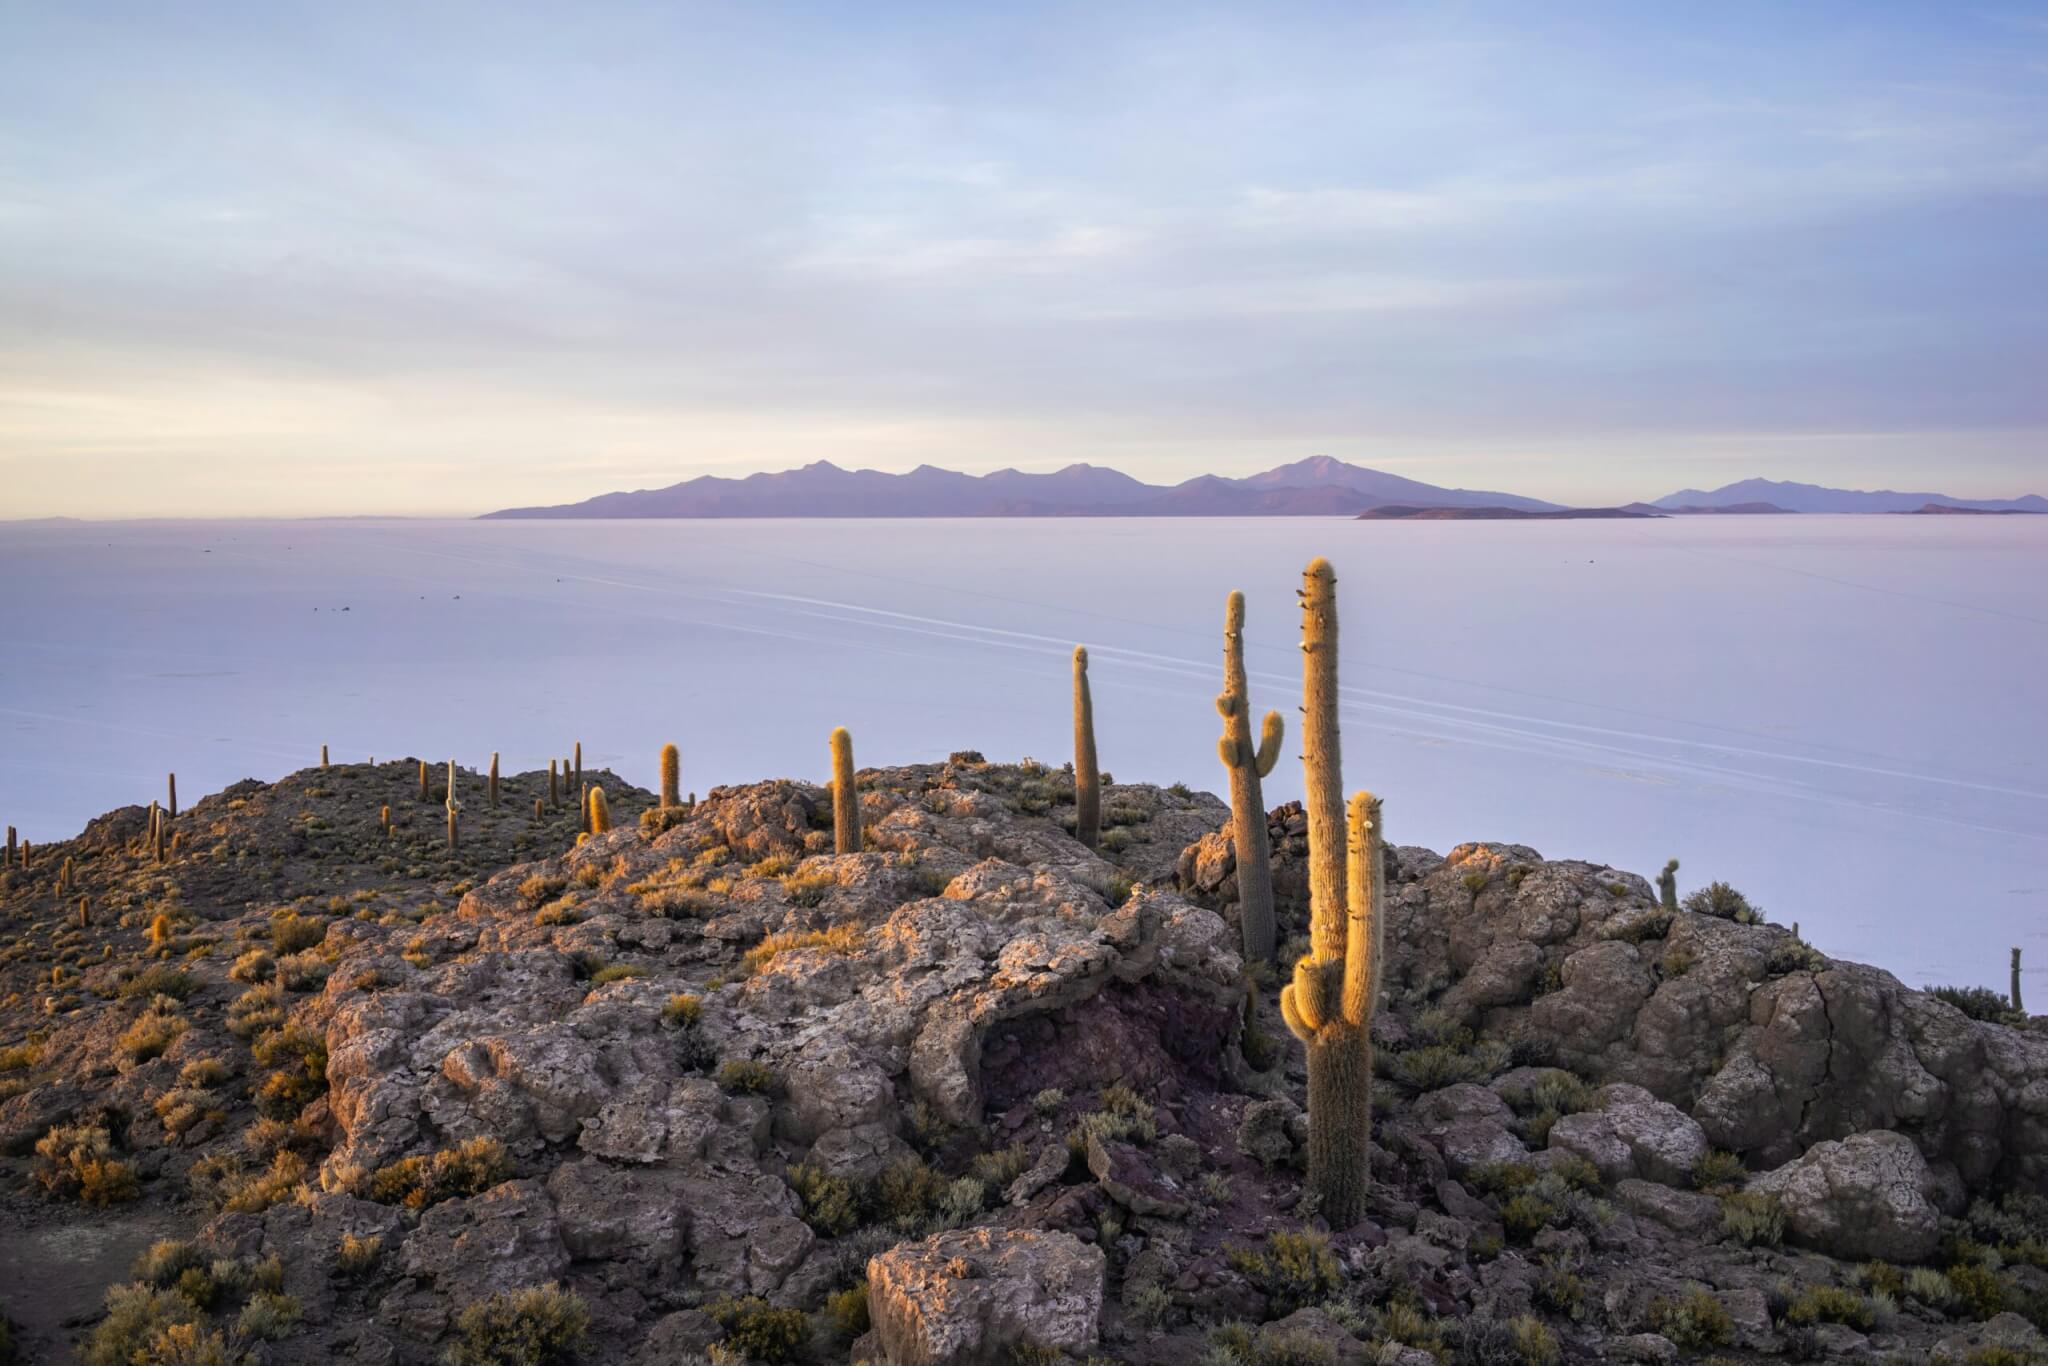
(699, 1089)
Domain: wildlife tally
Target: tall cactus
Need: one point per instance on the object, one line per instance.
(1329, 1007)
(10, 846)
(1667, 886)
(384, 819)
(1322, 763)
(554, 790)
(2018, 1008)
(579, 761)
(1247, 801)
(423, 781)
(173, 784)
(845, 797)
(84, 913)
(453, 805)
(1087, 777)
(64, 877)
(494, 780)
(671, 777)
(600, 812)
(323, 756)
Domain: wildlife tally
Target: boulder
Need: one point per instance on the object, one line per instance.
(1870, 1195)
(972, 1297)
(1634, 1135)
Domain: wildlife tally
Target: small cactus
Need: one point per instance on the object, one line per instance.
(172, 783)
(384, 819)
(323, 756)
(671, 777)
(1247, 766)
(600, 814)
(453, 805)
(156, 832)
(10, 846)
(1087, 777)
(845, 797)
(494, 780)
(1667, 886)
(583, 808)
(64, 876)
(539, 809)
(579, 761)
(84, 914)
(2018, 1008)
(554, 787)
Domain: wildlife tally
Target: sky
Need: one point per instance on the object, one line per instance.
(288, 258)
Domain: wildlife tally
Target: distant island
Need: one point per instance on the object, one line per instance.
(1321, 486)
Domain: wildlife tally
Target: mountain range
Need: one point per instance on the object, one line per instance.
(1319, 486)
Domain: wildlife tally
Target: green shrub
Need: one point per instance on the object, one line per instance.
(150, 1034)
(758, 1330)
(1534, 1341)
(1720, 900)
(616, 972)
(1753, 1218)
(1526, 1214)
(1978, 1290)
(418, 1182)
(1695, 1321)
(840, 939)
(268, 1316)
(300, 1057)
(165, 1261)
(291, 932)
(746, 1077)
(846, 1311)
(78, 1160)
(540, 1326)
(1978, 1003)
(682, 1010)
(830, 1204)
(1294, 1270)
(355, 1256)
(158, 980)
(1832, 1304)
(134, 1328)
(277, 1182)
(1719, 1173)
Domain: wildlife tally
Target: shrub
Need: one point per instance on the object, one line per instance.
(304, 971)
(1753, 1218)
(21, 1057)
(355, 1256)
(291, 932)
(540, 889)
(256, 1010)
(841, 939)
(543, 1325)
(300, 1057)
(1439, 1065)
(1561, 1289)
(1695, 1321)
(1976, 1002)
(616, 972)
(418, 1182)
(759, 1331)
(203, 1072)
(830, 1204)
(1525, 1214)
(1004, 1165)
(158, 980)
(268, 1316)
(1534, 1343)
(1719, 1173)
(907, 1190)
(1832, 1304)
(744, 1076)
(683, 1010)
(1977, 1289)
(166, 1260)
(138, 1319)
(277, 1182)
(253, 966)
(1723, 902)
(1930, 1287)
(78, 1160)
(1293, 1269)
(150, 1034)
(846, 1311)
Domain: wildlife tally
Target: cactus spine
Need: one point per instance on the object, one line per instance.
(600, 814)
(1329, 1007)
(423, 781)
(2017, 1007)
(173, 783)
(671, 776)
(1247, 801)
(1087, 778)
(1667, 886)
(845, 797)
(453, 805)
(494, 780)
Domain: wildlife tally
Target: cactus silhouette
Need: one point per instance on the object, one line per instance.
(494, 780)
(2016, 1005)
(1667, 886)
(172, 780)
(600, 813)
(579, 761)
(671, 776)
(1329, 1007)
(845, 797)
(10, 846)
(452, 805)
(554, 790)
(1247, 802)
(323, 756)
(1087, 778)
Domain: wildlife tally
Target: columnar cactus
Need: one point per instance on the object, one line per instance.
(384, 819)
(10, 846)
(64, 876)
(554, 790)
(539, 809)
(671, 777)
(1247, 802)
(173, 784)
(452, 805)
(1667, 886)
(579, 761)
(600, 813)
(583, 808)
(494, 780)
(2018, 1008)
(84, 913)
(423, 781)
(323, 756)
(1329, 1007)
(845, 796)
(1087, 777)
(1322, 763)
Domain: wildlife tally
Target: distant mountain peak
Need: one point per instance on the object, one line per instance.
(1796, 497)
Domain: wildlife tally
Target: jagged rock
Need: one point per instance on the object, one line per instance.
(1051, 1161)
(1266, 1133)
(1652, 1347)
(1633, 1135)
(1131, 1180)
(1281, 1339)
(974, 1295)
(2007, 1330)
(1868, 1195)
(505, 1239)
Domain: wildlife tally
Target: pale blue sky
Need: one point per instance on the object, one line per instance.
(308, 258)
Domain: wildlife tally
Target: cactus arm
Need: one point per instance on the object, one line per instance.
(1270, 735)
(1362, 915)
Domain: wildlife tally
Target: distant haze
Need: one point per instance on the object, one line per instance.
(289, 259)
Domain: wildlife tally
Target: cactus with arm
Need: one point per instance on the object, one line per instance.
(1247, 802)
(1667, 886)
